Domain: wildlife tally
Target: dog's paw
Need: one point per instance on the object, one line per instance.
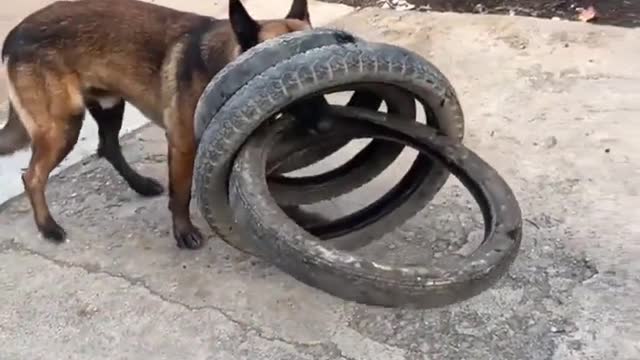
(148, 187)
(53, 232)
(189, 237)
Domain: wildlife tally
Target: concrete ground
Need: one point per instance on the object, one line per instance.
(552, 105)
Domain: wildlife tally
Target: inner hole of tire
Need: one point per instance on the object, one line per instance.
(423, 115)
(341, 156)
(451, 224)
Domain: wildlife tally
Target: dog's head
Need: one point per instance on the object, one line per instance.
(250, 32)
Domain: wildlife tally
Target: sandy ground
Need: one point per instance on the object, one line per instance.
(552, 105)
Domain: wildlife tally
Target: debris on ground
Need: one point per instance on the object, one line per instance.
(399, 5)
(550, 142)
(588, 14)
(480, 9)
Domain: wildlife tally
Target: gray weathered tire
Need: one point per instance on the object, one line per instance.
(253, 62)
(282, 242)
(366, 165)
(306, 73)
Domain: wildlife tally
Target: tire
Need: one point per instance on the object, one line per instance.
(360, 228)
(253, 62)
(366, 165)
(295, 251)
(307, 73)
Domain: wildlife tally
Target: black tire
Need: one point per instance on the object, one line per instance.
(352, 175)
(253, 62)
(304, 74)
(351, 277)
(363, 226)
(366, 165)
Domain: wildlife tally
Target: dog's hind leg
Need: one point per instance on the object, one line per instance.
(50, 105)
(48, 148)
(109, 119)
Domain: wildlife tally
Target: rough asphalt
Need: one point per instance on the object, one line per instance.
(553, 106)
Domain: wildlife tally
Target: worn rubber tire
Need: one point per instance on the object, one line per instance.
(256, 60)
(360, 228)
(307, 190)
(282, 242)
(304, 74)
(251, 63)
(312, 189)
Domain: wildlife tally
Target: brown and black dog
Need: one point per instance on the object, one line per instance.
(95, 55)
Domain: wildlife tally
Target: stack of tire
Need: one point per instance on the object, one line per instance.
(247, 147)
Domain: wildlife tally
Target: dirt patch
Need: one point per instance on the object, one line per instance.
(610, 12)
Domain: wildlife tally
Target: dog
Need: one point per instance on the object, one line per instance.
(96, 55)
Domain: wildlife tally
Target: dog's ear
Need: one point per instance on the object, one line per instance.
(244, 27)
(299, 11)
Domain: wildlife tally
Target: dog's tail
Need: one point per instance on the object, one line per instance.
(13, 136)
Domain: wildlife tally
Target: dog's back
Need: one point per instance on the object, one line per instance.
(114, 44)
(87, 27)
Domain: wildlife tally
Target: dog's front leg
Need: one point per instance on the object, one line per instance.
(181, 155)
(181, 158)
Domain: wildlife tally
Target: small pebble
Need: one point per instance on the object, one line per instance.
(550, 142)
(480, 9)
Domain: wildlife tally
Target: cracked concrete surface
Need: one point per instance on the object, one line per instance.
(552, 105)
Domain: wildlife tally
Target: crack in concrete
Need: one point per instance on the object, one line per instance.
(12, 245)
(591, 268)
(345, 357)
